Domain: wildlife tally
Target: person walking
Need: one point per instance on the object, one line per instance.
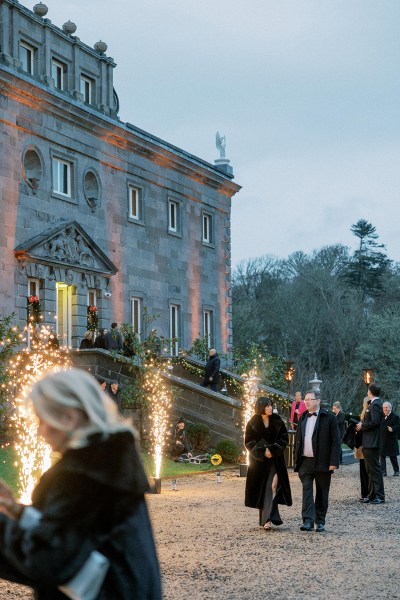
(211, 374)
(267, 482)
(317, 453)
(113, 339)
(88, 518)
(370, 427)
(389, 442)
(341, 422)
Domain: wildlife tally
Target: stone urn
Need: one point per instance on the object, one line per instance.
(40, 9)
(69, 27)
(100, 47)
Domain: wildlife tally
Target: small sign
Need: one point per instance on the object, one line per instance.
(216, 459)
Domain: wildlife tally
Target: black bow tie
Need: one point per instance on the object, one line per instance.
(312, 414)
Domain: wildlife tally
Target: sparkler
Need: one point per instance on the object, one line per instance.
(34, 455)
(159, 396)
(250, 387)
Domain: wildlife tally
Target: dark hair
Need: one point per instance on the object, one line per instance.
(374, 389)
(262, 403)
(317, 394)
(114, 325)
(101, 380)
(180, 420)
(101, 331)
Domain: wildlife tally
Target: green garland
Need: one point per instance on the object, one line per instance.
(92, 318)
(33, 310)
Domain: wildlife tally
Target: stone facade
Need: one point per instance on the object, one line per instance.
(96, 211)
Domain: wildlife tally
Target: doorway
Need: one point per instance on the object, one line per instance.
(64, 310)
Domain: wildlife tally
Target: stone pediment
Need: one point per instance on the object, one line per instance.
(66, 245)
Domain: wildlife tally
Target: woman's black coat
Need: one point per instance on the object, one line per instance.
(92, 499)
(276, 439)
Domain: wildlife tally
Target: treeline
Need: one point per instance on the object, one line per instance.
(332, 312)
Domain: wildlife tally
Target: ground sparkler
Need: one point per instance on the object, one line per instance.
(250, 387)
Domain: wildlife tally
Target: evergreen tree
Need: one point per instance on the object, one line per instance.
(369, 263)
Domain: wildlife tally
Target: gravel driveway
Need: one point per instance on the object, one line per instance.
(211, 548)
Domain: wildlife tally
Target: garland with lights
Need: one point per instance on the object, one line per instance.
(92, 318)
(33, 310)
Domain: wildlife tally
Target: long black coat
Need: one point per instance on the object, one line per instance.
(389, 439)
(371, 425)
(325, 441)
(276, 438)
(92, 499)
(341, 422)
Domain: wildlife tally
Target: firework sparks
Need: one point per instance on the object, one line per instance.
(159, 395)
(250, 386)
(34, 456)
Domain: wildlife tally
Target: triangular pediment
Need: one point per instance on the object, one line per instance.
(66, 245)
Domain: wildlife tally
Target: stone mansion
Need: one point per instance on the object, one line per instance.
(96, 212)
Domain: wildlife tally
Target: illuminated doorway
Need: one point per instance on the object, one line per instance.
(64, 310)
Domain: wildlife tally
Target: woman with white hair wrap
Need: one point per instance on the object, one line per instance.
(87, 535)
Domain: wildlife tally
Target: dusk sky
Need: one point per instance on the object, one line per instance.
(307, 93)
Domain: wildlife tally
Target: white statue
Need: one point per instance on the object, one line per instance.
(220, 142)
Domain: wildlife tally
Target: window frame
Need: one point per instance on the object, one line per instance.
(32, 50)
(132, 217)
(84, 79)
(175, 206)
(208, 315)
(35, 290)
(69, 164)
(176, 308)
(207, 217)
(63, 68)
(136, 315)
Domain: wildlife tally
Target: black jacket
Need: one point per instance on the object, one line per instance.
(371, 425)
(341, 422)
(325, 441)
(276, 439)
(389, 439)
(212, 369)
(92, 499)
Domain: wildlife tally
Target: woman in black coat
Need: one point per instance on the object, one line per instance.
(88, 515)
(267, 483)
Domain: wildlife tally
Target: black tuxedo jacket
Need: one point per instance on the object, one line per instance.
(389, 440)
(325, 441)
(371, 425)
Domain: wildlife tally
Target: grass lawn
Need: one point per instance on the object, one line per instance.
(169, 468)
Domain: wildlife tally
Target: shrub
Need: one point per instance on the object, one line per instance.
(199, 436)
(132, 396)
(228, 450)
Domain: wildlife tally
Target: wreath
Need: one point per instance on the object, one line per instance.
(92, 318)
(33, 310)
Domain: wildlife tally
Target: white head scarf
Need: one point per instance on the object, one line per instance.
(75, 388)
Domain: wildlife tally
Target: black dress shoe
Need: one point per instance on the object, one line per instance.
(377, 501)
(320, 528)
(306, 527)
(396, 474)
(364, 500)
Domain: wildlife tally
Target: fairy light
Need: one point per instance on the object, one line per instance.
(250, 387)
(34, 455)
(158, 391)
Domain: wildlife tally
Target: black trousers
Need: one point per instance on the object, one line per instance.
(314, 511)
(374, 472)
(393, 460)
(364, 481)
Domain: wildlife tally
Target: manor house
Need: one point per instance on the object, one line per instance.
(96, 212)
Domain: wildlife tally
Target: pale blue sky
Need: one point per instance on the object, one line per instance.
(307, 93)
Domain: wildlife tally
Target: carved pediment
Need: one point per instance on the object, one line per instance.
(67, 244)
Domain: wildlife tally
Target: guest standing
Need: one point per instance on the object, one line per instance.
(100, 341)
(298, 408)
(211, 374)
(389, 442)
(370, 427)
(317, 449)
(87, 341)
(90, 504)
(267, 483)
(113, 339)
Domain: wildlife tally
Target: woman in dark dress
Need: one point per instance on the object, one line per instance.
(267, 483)
(88, 513)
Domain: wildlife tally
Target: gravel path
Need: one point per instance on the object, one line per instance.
(211, 548)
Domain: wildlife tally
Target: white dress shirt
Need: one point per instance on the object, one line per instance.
(310, 426)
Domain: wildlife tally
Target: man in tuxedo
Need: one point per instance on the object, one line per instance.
(370, 427)
(389, 442)
(317, 456)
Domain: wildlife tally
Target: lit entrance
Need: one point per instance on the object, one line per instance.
(64, 310)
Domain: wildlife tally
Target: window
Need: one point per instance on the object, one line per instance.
(135, 203)
(207, 228)
(208, 326)
(91, 297)
(33, 287)
(174, 327)
(174, 216)
(61, 173)
(26, 55)
(87, 89)
(136, 310)
(58, 71)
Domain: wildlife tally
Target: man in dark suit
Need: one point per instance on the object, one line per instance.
(370, 427)
(211, 372)
(317, 456)
(389, 442)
